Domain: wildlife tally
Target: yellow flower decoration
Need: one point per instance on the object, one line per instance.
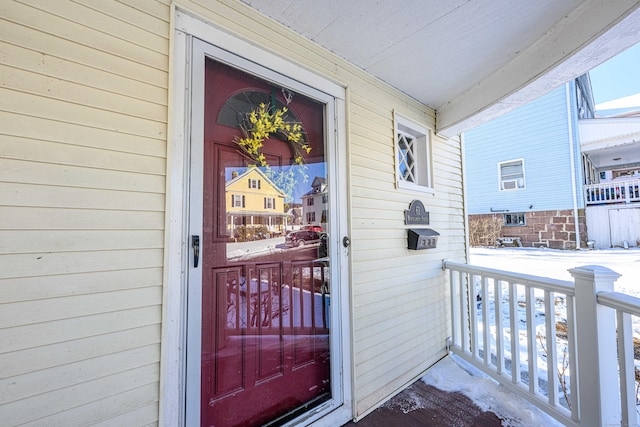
(260, 124)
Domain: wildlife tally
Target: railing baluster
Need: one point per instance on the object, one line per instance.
(464, 314)
(455, 322)
(573, 358)
(532, 346)
(497, 284)
(473, 310)
(514, 333)
(550, 344)
(627, 369)
(486, 328)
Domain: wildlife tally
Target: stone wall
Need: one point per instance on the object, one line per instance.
(554, 229)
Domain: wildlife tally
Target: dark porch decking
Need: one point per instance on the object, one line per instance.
(424, 405)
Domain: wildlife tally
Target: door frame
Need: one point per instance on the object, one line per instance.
(180, 380)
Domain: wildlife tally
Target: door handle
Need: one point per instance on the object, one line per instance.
(195, 244)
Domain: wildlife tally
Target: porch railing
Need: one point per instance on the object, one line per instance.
(626, 191)
(566, 347)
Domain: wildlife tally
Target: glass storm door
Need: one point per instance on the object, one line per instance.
(265, 352)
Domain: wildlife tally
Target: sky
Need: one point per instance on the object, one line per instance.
(618, 77)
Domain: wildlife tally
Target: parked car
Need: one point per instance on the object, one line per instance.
(317, 228)
(302, 237)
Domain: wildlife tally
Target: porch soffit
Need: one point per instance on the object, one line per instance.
(607, 139)
(471, 61)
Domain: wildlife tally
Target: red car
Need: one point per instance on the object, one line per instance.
(302, 237)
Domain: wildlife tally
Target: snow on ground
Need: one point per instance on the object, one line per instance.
(554, 263)
(453, 374)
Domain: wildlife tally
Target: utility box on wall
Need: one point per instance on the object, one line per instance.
(422, 238)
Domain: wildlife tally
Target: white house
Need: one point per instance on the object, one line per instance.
(119, 304)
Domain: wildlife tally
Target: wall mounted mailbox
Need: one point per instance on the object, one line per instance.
(422, 238)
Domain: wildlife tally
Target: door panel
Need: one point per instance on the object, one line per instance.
(265, 305)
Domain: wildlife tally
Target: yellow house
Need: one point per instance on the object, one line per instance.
(115, 297)
(253, 200)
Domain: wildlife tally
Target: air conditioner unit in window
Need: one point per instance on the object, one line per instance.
(510, 185)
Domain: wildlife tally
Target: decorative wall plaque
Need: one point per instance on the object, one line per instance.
(416, 214)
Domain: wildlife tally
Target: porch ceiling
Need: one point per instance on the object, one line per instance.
(470, 60)
(611, 142)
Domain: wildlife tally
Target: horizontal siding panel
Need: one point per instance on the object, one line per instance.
(67, 330)
(29, 242)
(47, 65)
(27, 172)
(82, 16)
(13, 194)
(18, 218)
(66, 49)
(138, 407)
(54, 88)
(153, 20)
(32, 288)
(87, 360)
(40, 406)
(25, 128)
(87, 34)
(69, 352)
(160, 9)
(48, 263)
(47, 310)
(53, 109)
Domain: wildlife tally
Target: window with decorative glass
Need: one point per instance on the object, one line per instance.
(413, 155)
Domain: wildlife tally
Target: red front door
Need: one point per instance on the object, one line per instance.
(265, 303)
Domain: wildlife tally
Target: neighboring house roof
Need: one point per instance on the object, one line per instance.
(255, 171)
(318, 186)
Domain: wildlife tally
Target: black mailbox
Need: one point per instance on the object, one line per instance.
(422, 238)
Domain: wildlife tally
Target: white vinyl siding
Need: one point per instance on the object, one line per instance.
(83, 108)
(84, 143)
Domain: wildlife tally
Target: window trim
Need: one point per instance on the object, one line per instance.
(524, 219)
(423, 157)
(500, 180)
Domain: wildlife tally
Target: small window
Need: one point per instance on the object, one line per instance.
(254, 183)
(514, 220)
(511, 175)
(311, 217)
(413, 155)
(237, 201)
(310, 201)
(269, 203)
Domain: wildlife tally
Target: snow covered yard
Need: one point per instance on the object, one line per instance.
(540, 262)
(554, 263)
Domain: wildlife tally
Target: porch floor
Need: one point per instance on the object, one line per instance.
(436, 408)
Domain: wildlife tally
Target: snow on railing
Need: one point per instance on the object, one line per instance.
(552, 342)
(626, 191)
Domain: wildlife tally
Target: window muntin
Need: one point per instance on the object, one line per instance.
(413, 155)
(514, 219)
(511, 175)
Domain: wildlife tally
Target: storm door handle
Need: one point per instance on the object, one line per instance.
(195, 244)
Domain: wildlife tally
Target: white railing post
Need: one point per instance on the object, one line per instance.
(598, 392)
